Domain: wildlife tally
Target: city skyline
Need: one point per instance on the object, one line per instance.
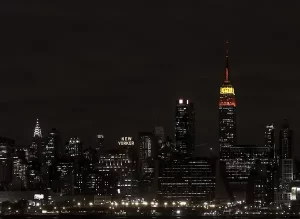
(95, 61)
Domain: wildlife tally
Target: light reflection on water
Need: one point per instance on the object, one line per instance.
(148, 217)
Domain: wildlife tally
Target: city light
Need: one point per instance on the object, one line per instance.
(182, 203)
(259, 178)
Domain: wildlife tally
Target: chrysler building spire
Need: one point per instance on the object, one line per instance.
(37, 130)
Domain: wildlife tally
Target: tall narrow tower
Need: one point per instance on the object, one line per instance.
(36, 147)
(185, 127)
(227, 115)
(285, 157)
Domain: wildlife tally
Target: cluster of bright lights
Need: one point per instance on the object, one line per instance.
(227, 90)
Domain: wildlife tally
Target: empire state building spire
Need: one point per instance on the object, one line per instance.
(37, 130)
(227, 64)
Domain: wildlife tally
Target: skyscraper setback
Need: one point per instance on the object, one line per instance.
(227, 115)
(185, 127)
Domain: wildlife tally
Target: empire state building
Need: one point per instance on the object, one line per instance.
(227, 115)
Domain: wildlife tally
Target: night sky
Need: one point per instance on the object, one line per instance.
(89, 67)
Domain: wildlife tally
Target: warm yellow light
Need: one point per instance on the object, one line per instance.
(226, 90)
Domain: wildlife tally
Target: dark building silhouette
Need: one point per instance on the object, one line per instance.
(257, 187)
(242, 161)
(147, 152)
(147, 144)
(185, 127)
(6, 161)
(166, 150)
(99, 144)
(62, 177)
(270, 142)
(74, 147)
(54, 149)
(91, 155)
(286, 163)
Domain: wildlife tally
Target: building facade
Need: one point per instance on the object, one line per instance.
(242, 160)
(6, 161)
(191, 179)
(118, 164)
(74, 147)
(286, 163)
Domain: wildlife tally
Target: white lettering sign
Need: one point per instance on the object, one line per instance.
(126, 141)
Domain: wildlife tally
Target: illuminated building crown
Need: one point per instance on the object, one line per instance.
(37, 130)
(227, 90)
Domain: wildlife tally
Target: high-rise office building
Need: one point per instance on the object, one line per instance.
(147, 163)
(242, 160)
(191, 179)
(90, 154)
(270, 142)
(19, 169)
(185, 127)
(37, 146)
(286, 162)
(99, 144)
(74, 147)
(63, 182)
(36, 159)
(118, 164)
(53, 148)
(166, 150)
(147, 152)
(6, 155)
(227, 115)
(258, 192)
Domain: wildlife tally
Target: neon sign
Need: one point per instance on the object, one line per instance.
(126, 141)
(226, 90)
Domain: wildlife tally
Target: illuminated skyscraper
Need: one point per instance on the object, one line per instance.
(270, 140)
(147, 152)
(35, 149)
(185, 127)
(35, 161)
(6, 149)
(53, 148)
(285, 162)
(19, 168)
(74, 147)
(227, 115)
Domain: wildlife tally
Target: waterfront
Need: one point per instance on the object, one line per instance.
(135, 217)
